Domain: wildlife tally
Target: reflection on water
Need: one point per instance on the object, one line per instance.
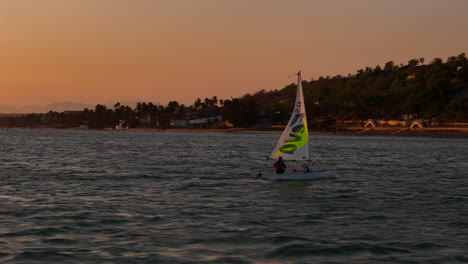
(133, 197)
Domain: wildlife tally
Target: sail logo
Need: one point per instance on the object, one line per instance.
(297, 137)
(298, 107)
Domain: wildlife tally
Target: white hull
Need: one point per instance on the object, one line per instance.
(299, 176)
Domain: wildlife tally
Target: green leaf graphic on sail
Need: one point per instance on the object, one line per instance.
(297, 140)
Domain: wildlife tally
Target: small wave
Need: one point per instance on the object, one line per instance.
(301, 250)
(149, 176)
(309, 222)
(461, 258)
(81, 216)
(35, 232)
(427, 246)
(346, 191)
(412, 246)
(214, 178)
(154, 219)
(285, 239)
(113, 221)
(376, 217)
(252, 222)
(459, 224)
(15, 198)
(59, 241)
(342, 196)
(48, 256)
(186, 187)
(309, 249)
(381, 250)
(233, 260)
(192, 185)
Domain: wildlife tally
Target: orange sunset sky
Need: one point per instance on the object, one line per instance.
(100, 51)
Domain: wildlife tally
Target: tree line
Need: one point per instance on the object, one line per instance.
(142, 115)
(437, 90)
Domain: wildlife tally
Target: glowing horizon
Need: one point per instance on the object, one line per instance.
(92, 52)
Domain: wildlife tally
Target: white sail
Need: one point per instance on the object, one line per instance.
(294, 142)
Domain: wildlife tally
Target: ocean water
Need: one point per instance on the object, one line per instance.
(166, 197)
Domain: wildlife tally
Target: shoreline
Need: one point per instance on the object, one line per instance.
(441, 132)
(433, 132)
(430, 132)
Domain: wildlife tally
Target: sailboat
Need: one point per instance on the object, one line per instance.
(293, 145)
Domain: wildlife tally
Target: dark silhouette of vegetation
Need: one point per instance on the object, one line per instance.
(437, 91)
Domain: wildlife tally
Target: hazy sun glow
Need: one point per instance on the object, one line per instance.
(98, 51)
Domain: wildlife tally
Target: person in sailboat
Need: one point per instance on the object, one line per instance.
(304, 168)
(279, 165)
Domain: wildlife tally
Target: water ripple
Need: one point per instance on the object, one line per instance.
(157, 197)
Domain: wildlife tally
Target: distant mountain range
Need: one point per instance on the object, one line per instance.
(58, 107)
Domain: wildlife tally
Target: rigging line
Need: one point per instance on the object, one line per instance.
(268, 156)
(294, 74)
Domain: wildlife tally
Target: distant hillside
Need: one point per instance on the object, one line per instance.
(435, 90)
(8, 109)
